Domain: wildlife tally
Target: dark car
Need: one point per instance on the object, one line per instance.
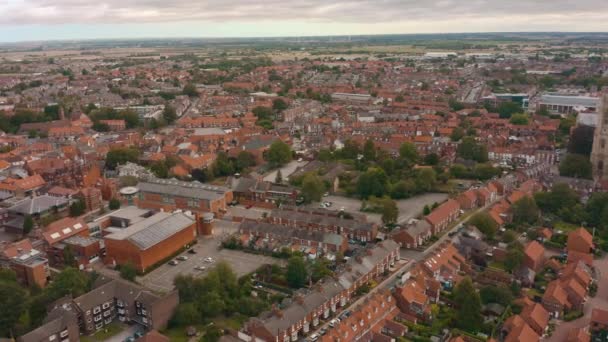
(191, 251)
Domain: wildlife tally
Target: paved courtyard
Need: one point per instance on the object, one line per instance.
(161, 279)
(408, 208)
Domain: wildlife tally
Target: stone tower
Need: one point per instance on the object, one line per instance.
(599, 152)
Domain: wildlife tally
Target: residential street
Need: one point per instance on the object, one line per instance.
(600, 301)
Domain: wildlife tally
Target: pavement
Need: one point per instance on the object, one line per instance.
(161, 279)
(600, 301)
(408, 208)
(286, 170)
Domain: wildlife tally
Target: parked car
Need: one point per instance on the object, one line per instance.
(327, 204)
(182, 258)
(173, 262)
(314, 337)
(200, 268)
(191, 251)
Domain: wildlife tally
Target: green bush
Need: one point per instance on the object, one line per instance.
(572, 315)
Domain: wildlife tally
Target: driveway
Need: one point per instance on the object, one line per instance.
(600, 301)
(408, 208)
(286, 171)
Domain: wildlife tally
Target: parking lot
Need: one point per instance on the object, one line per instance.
(161, 279)
(408, 208)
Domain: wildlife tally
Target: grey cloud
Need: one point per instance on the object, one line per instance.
(340, 11)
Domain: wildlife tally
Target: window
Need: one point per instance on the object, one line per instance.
(52, 337)
(144, 319)
(144, 312)
(105, 305)
(96, 310)
(98, 326)
(64, 333)
(107, 313)
(108, 320)
(193, 203)
(119, 303)
(97, 318)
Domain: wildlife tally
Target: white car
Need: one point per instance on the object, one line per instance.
(208, 259)
(200, 268)
(314, 337)
(182, 258)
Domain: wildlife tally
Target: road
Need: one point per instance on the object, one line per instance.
(286, 170)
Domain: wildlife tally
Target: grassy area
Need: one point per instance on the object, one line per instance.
(565, 227)
(108, 331)
(497, 265)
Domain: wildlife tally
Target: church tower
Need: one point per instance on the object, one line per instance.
(599, 152)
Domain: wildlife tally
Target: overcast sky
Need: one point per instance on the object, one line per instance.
(82, 19)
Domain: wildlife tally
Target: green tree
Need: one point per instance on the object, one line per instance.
(279, 177)
(245, 160)
(507, 109)
(160, 169)
(121, 155)
(297, 274)
(114, 204)
(13, 301)
(369, 150)
(426, 210)
(519, 119)
(223, 166)
(431, 159)
(263, 113)
(525, 211)
(279, 105)
(70, 281)
(408, 153)
(514, 259)
(484, 222)
(468, 306)
(312, 187)
(69, 259)
(457, 134)
(128, 271)
(575, 165)
(469, 149)
(169, 114)
(390, 212)
(190, 90)
(496, 294)
(28, 224)
(374, 182)
(320, 269)
(77, 208)
(426, 180)
(279, 154)
(187, 314)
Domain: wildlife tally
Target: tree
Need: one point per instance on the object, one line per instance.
(519, 119)
(77, 208)
(468, 306)
(426, 180)
(507, 109)
(581, 140)
(223, 166)
(262, 113)
(28, 224)
(408, 152)
(297, 275)
(369, 150)
(525, 211)
(69, 281)
(431, 159)
(279, 105)
(160, 169)
(484, 222)
(187, 314)
(457, 134)
(320, 269)
(469, 149)
(245, 160)
(496, 294)
(312, 187)
(514, 259)
(13, 301)
(279, 154)
(69, 259)
(426, 210)
(121, 155)
(390, 212)
(279, 177)
(169, 114)
(373, 182)
(575, 165)
(190, 90)
(128, 271)
(114, 204)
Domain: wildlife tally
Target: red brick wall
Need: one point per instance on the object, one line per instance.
(122, 251)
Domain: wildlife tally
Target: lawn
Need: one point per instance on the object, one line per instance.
(498, 265)
(565, 227)
(108, 331)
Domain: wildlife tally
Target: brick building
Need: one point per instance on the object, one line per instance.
(29, 263)
(150, 240)
(170, 195)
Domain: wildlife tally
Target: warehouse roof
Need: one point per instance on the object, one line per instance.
(183, 189)
(149, 232)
